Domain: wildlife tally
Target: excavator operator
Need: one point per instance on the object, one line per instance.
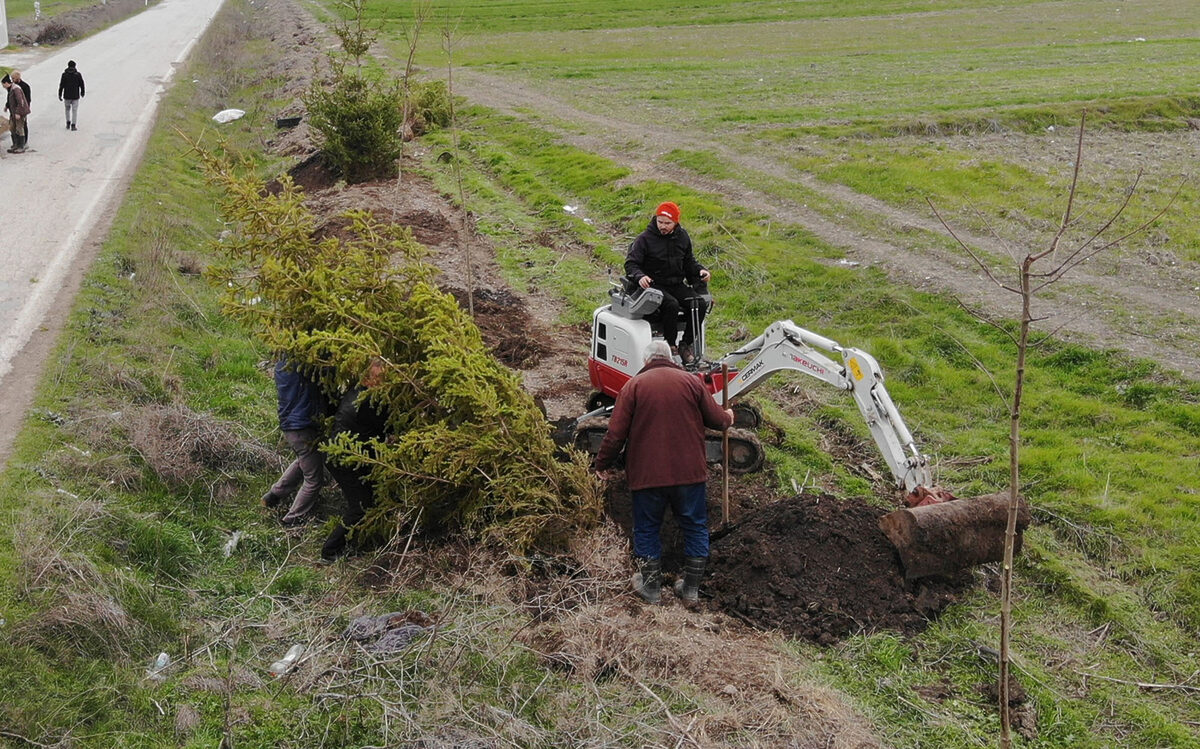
(662, 257)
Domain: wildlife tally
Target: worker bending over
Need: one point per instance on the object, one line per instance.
(662, 413)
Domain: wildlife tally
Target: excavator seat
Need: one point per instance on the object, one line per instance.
(630, 300)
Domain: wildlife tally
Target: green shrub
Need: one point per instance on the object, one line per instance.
(357, 114)
(359, 121)
(471, 449)
(428, 106)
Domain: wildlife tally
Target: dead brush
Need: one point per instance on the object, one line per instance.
(98, 467)
(79, 605)
(223, 46)
(741, 685)
(181, 446)
(596, 568)
(55, 31)
(119, 380)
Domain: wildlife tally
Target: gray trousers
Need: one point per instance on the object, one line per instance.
(307, 471)
(72, 107)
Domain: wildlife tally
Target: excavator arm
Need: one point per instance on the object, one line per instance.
(785, 346)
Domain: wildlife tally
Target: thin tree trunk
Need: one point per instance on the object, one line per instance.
(1010, 533)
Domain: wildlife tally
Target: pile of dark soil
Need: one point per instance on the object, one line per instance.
(506, 326)
(819, 568)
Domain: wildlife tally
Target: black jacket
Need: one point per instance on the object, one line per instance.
(70, 86)
(360, 418)
(667, 259)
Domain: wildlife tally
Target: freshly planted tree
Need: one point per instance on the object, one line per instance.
(357, 112)
(1071, 245)
(470, 450)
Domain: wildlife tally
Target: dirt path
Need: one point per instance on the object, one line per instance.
(69, 183)
(1113, 307)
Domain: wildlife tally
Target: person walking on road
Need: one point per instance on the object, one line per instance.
(662, 257)
(18, 111)
(660, 416)
(70, 91)
(301, 406)
(17, 79)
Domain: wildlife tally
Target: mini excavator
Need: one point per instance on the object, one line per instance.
(935, 534)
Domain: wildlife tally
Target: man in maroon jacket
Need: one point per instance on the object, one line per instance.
(662, 413)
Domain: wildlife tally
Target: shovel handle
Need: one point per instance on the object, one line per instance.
(725, 448)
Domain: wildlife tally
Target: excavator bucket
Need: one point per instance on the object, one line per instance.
(946, 537)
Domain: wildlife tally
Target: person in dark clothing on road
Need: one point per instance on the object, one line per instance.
(661, 257)
(660, 416)
(70, 91)
(17, 79)
(301, 408)
(18, 110)
(363, 421)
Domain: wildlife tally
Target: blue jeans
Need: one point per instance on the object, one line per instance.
(689, 503)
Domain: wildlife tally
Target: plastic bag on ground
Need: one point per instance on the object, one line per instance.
(228, 115)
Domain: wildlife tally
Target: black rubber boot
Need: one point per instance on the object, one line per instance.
(647, 581)
(687, 587)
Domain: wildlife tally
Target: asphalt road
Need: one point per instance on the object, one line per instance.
(56, 199)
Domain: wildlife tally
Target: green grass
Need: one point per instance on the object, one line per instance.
(869, 94)
(1107, 585)
(1108, 445)
(24, 9)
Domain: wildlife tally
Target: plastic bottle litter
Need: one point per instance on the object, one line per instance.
(158, 666)
(232, 543)
(283, 665)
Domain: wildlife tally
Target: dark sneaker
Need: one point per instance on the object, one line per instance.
(270, 500)
(685, 353)
(68, 126)
(74, 128)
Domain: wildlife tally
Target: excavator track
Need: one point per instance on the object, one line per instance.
(746, 452)
(746, 415)
(589, 433)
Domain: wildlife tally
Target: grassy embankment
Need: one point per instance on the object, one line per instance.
(1108, 585)
(143, 455)
(108, 563)
(899, 102)
(23, 10)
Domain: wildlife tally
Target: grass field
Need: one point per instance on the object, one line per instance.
(103, 563)
(951, 102)
(836, 86)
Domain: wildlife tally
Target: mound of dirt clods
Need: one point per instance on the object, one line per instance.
(818, 567)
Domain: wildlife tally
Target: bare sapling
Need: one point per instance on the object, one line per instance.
(411, 32)
(1071, 245)
(449, 38)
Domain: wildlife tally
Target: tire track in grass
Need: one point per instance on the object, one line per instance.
(1093, 308)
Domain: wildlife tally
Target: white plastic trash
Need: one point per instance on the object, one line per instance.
(232, 543)
(284, 664)
(158, 666)
(228, 115)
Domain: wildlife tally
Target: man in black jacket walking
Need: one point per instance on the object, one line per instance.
(662, 257)
(70, 91)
